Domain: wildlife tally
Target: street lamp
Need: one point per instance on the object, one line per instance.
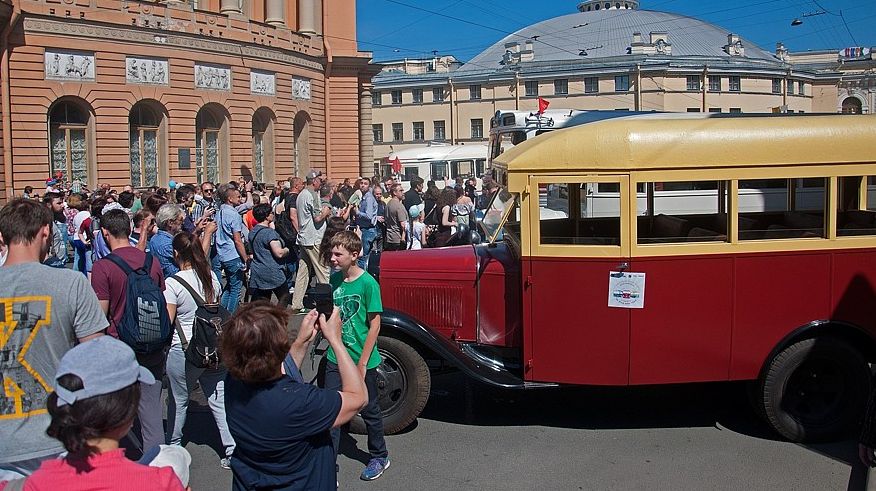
(798, 21)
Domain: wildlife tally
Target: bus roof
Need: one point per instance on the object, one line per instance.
(432, 152)
(687, 141)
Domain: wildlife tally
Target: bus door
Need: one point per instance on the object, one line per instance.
(571, 334)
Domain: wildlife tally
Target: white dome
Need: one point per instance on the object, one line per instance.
(603, 34)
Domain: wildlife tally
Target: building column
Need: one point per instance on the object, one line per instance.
(366, 137)
(307, 17)
(275, 12)
(229, 6)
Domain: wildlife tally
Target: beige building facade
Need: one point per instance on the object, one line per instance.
(144, 92)
(634, 60)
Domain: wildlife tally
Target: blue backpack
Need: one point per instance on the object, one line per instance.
(145, 325)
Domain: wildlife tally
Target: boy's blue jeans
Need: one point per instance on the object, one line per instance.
(371, 413)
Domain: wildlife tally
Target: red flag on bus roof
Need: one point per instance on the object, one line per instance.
(396, 165)
(543, 105)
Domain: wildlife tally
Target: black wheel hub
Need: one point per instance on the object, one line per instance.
(816, 394)
(392, 383)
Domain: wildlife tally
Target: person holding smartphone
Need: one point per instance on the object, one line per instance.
(264, 387)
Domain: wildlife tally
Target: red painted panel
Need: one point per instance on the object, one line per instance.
(434, 286)
(573, 336)
(775, 294)
(683, 333)
(854, 288)
(501, 322)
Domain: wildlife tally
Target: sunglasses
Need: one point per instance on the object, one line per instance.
(208, 190)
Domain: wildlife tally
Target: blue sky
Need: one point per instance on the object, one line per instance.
(391, 29)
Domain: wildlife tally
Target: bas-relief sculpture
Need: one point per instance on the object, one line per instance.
(212, 77)
(301, 88)
(263, 83)
(69, 65)
(146, 71)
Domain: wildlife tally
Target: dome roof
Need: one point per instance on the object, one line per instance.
(609, 34)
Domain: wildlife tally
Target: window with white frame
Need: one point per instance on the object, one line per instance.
(398, 132)
(591, 85)
(621, 83)
(474, 92)
(477, 128)
(735, 83)
(419, 131)
(561, 86)
(438, 130)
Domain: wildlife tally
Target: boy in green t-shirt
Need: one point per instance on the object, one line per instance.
(357, 295)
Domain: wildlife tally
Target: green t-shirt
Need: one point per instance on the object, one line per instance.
(356, 299)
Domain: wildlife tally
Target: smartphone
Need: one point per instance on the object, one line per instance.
(322, 298)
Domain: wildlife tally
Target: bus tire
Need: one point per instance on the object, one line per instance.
(815, 390)
(403, 384)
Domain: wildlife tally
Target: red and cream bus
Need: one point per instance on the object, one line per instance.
(646, 293)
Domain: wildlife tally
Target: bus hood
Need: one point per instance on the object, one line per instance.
(434, 286)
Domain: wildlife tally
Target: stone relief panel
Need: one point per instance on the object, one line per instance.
(301, 88)
(69, 65)
(262, 83)
(215, 77)
(151, 71)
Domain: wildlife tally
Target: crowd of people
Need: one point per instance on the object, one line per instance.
(146, 281)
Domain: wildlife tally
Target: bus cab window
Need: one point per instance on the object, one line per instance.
(853, 216)
(410, 173)
(439, 170)
(794, 209)
(576, 214)
(682, 211)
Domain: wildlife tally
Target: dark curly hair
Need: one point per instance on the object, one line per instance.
(74, 424)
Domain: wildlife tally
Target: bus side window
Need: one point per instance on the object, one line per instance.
(854, 217)
(683, 211)
(572, 214)
(792, 209)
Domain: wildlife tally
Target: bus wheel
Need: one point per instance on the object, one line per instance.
(403, 383)
(815, 390)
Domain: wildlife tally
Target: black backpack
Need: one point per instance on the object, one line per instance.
(284, 228)
(202, 350)
(145, 325)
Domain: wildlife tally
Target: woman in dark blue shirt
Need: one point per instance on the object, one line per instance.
(281, 425)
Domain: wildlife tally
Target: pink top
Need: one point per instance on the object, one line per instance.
(111, 471)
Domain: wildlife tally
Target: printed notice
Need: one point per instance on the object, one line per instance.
(626, 290)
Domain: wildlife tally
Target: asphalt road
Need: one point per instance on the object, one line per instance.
(698, 436)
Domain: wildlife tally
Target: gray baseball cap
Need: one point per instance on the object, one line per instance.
(104, 364)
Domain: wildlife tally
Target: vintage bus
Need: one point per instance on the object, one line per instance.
(437, 162)
(783, 297)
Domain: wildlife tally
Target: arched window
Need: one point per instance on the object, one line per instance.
(209, 149)
(852, 105)
(144, 124)
(68, 128)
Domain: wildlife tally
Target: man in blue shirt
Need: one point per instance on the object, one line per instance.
(169, 219)
(367, 219)
(230, 251)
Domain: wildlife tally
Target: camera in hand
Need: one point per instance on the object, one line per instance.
(321, 295)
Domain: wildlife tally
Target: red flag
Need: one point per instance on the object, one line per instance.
(396, 165)
(543, 105)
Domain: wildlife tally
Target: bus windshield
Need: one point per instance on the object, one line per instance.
(502, 216)
(502, 140)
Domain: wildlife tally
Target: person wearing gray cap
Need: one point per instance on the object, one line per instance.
(93, 407)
